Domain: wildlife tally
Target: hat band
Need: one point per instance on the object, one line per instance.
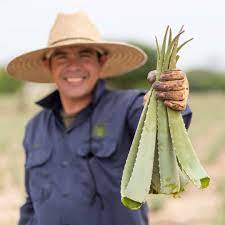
(69, 39)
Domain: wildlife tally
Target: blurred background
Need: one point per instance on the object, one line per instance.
(25, 26)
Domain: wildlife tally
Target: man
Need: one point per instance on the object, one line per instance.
(76, 147)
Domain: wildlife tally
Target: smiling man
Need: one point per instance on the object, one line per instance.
(75, 71)
(76, 147)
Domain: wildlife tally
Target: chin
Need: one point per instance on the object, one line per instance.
(75, 92)
(76, 95)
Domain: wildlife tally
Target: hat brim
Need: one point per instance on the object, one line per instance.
(122, 58)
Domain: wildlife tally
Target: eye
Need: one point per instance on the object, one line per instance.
(59, 57)
(85, 55)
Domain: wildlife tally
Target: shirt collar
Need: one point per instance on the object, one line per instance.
(52, 101)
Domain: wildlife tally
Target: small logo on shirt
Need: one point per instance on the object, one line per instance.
(99, 130)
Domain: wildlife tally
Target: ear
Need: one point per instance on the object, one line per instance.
(102, 60)
(46, 63)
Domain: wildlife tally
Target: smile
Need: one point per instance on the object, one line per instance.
(75, 80)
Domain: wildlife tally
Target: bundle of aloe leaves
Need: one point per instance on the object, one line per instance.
(161, 159)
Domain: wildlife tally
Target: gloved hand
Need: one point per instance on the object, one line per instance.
(172, 88)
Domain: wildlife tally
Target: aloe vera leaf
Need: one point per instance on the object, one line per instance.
(127, 171)
(169, 177)
(181, 29)
(158, 53)
(183, 44)
(169, 51)
(157, 47)
(170, 36)
(177, 58)
(173, 61)
(163, 51)
(155, 184)
(183, 180)
(138, 187)
(168, 168)
(186, 155)
(128, 168)
(130, 204)
(181, 143)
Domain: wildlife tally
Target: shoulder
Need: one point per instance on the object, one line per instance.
(125, 97)
(38, 119)
(35, 125)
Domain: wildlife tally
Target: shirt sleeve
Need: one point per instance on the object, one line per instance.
(27, 212)
(26, 216)
(137, 106)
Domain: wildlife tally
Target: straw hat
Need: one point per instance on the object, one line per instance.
(76, 30)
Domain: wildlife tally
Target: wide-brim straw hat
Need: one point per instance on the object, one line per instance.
(76, 30)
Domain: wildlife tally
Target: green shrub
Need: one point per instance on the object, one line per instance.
(8, 84)
(138, 77)
(201, 80)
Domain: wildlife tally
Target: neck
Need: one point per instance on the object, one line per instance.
(73, 106)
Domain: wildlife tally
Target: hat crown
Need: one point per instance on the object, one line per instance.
(73, 26)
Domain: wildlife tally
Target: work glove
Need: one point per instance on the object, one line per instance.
(172, 88)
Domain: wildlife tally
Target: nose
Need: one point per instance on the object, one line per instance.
(74, 63)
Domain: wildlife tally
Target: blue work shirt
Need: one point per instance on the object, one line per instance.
(72, 175)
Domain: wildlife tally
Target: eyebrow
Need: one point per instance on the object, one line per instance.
(87, 50)
(61, 52)
(58, 52)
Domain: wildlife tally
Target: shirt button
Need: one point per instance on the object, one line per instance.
(64, 164)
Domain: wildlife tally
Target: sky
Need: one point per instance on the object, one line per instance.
(25, 25)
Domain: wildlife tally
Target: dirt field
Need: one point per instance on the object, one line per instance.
(195, 207)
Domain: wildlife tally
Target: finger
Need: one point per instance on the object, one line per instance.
(169, 85)
(186, 83)
(152, 76)
(171, 95)
(175, 105)
(146, 96)
(172, 75)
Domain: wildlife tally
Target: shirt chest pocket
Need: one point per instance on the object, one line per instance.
(38, 165)
(101, 148)
(104, 139)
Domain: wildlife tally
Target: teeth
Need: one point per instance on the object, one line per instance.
(74, 79)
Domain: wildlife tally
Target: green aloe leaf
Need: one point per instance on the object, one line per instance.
(163, 52)
(169, 51)
(186, 155)
(155, 184)
(128, 168)
(138, 186)
(168, 167)
(183, 44)
(162, 159)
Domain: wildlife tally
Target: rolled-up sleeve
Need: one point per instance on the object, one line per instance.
(137, 106)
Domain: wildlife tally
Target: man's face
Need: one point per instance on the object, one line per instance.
(75, 70)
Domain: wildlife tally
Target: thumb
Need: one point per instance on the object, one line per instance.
(152, 76)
